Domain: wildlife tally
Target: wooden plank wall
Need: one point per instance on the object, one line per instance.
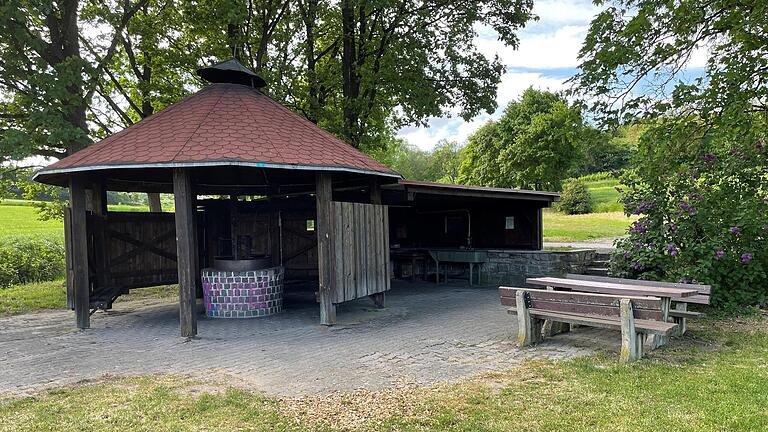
(140, 250)
(361, 250)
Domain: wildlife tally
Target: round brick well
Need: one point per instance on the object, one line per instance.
(243, 294)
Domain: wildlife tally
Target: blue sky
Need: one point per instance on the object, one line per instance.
(546, 58)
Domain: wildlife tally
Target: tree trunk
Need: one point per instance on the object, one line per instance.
(66, 28)
(155, 205)
(351, 81)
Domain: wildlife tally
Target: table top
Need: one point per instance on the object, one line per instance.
(612, 287)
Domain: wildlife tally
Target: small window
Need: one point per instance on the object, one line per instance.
(510, 223)
(310, 225)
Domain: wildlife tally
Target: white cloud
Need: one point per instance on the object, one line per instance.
(456, 129)
(555, 50)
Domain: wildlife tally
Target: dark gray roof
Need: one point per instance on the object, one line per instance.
(233, 72)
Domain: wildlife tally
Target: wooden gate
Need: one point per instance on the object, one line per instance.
(361, 250)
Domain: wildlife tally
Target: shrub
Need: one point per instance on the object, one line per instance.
(30, 259)
(704, 222)
(575, 198)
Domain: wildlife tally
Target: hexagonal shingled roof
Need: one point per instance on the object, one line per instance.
(222, 124)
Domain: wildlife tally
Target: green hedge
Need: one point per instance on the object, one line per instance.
(30, 259)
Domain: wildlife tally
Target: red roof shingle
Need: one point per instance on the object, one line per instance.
(220, 124)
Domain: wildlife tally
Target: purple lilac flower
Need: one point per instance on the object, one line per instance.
(735, 230)
(719, 254)
(673, 227)
(672, 249)
(685, 205)
(746, 257)
(760, 145)
(627, 255)
(638, 227)
(709, 157)
(693, 196)
(735, 152)
(637, 266)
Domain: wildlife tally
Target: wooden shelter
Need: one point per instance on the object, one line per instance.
(313, 202)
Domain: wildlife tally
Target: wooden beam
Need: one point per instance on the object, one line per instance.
(79, 247)
(186, 250)
(631, 340)
(98, 205)
(324, 226)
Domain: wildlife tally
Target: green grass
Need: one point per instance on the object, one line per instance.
(17, 219)
(559, 227)
(31, 297)
(19, 299)
(605, 198)
(711, 381)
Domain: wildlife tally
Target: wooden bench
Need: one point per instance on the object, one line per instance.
(636, 317)
(680, 313)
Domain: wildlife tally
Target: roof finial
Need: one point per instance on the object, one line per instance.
(231, 71)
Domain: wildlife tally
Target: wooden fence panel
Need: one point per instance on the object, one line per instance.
(361, 244)
(139, 251)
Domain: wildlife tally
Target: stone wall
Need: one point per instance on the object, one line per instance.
(512, 267)
(245, 294)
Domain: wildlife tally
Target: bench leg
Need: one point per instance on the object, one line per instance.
(631, 340)
(528, 328)
(658, 340)
(551, 328)
(682, 323)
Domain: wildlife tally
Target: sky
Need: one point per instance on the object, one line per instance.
(546, 58)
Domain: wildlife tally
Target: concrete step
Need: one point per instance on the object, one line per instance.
(597, 271)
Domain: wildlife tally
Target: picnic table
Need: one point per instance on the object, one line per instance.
(666, 294)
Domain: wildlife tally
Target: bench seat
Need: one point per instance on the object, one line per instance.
(676, 313)
(646, 326)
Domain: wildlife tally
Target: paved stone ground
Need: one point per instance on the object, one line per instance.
(426, 334)
(603, 245)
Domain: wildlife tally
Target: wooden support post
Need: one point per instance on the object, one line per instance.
(324, 226)
(528, 328)
(379, 299)
(551, 328)
(154, 202)
(539, 235)
(682, 323)
(659, 340)
(375, 192)
(631, 340)
(79, 247)
(98, 205)
(186, 250)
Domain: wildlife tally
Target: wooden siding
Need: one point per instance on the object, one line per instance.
(361, 250)
(140, 251)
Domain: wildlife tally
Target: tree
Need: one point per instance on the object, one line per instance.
(46, 82)
(635, 50)
(445, 161)
(419, 57)
(534, 145)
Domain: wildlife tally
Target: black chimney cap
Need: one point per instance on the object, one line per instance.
(231, 71)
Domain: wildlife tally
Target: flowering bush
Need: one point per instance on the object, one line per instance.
(704, 222)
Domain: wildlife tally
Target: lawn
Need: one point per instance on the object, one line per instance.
(713, 380)
(605, 197)
(19, 299)
(18, 217)
(559, 227)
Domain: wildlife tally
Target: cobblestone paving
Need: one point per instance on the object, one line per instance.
(426, 334)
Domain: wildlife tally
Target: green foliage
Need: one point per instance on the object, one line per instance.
(634, 51)
(702, 202)
(441, 164)
(575, 198)
(534, 145)
(604, 152)
(30, 259)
